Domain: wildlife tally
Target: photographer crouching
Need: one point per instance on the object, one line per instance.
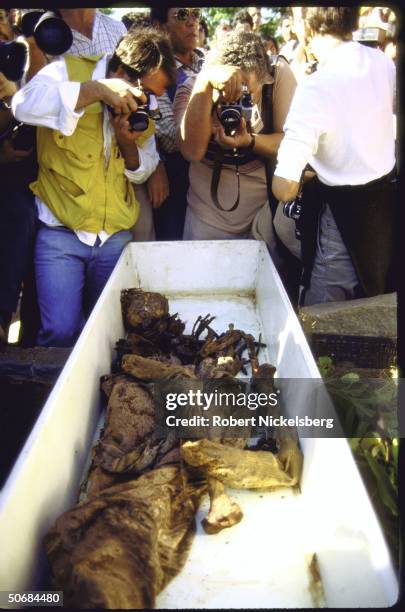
(95, 136)
(230, 119)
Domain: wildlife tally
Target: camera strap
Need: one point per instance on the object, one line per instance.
(268, 128)
(216, 176)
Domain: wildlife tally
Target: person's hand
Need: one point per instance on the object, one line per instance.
(10, 155)
(225, 79)
(7, 88)
(158, 186)
(123, 133)
(120, 95)
(241, 137)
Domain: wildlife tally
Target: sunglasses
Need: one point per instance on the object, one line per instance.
(184, 13)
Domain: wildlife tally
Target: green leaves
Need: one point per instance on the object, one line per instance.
(368, 412)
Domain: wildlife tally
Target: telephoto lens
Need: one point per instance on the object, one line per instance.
(52, 35)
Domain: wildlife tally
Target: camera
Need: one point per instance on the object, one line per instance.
(13, 59)
(52, 35)
(293, 210)
(139, 119)
(230, 115)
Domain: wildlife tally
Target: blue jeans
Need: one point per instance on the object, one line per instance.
(333, 276)
(70, 277)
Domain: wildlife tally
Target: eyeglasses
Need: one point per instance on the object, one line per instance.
(184, 13)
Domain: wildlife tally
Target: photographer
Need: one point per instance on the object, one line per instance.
(225, 197)
(18, 168)
(87, 153)
(341, 123)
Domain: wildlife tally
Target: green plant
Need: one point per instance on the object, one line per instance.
(367, 410)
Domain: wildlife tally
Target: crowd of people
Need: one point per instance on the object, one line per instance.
(150, 129)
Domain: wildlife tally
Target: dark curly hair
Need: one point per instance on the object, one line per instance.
(242, 49)
(136, 19)
(143, 50)
(339, 21)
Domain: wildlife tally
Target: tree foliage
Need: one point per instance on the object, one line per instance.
(270, 20)
(106, 11)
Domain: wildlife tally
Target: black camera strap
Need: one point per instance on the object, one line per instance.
(216, 176)
(268, 128)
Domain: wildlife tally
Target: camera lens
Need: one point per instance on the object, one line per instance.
(29, 20)
(139, 120)
(230, 119)
(292, 210)
(53, 36)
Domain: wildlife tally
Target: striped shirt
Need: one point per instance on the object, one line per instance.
(166, 128)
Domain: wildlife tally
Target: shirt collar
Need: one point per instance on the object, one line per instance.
(195, 63)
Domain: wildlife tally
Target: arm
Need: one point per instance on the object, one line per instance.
(50, 100)
(158, 185)
(145, 158)
(307, 121)
(283, 189)
(267, 144)
(196, 125)
(196, 122)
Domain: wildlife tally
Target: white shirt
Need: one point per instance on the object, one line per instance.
(105, 36)
(49, 100)
(341, 119)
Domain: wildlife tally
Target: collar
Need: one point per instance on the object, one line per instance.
(196, 61)
(330, 48)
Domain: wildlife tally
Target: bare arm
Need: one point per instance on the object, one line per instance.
(196, 126)
(284, 189)
(115, 92)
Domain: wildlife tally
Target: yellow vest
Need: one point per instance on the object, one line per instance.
(73, 180)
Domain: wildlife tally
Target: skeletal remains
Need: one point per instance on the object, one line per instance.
(132, 529)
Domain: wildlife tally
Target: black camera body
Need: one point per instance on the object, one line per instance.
(13, 59)
(293, 210)
(139, 119)
(230, 115)
(52, 35)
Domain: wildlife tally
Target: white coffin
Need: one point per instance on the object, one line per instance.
(263, 561)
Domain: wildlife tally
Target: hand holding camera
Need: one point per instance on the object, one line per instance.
(121, 97)
(239, 138)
